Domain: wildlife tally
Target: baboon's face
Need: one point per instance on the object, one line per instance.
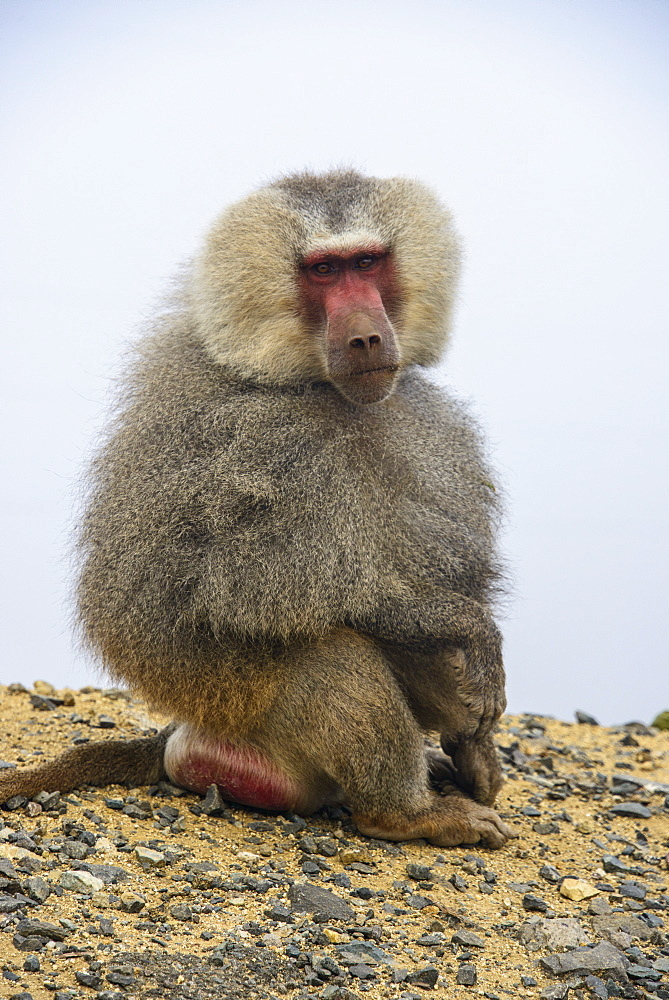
(347, 295)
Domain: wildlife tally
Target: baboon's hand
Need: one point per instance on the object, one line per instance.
(477, 769)
(478, 675)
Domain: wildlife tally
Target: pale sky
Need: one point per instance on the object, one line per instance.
(126, 126)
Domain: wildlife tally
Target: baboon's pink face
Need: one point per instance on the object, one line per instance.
(349, 293)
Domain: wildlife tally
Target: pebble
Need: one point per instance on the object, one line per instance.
(80, 881)
(149, 858)
(602, 958)
(426, 977)
(467, 939)
(576, 889)
(531, 902)
(466, 975)
(635, 809)
(325, 905)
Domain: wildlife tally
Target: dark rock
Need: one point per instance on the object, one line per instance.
(643, 972)
(426, 977)
(213, 802)
(614, 923)
(114, 803)
(75, 849)
(32, 964)
(278, 912)
(633, 890)
(40, 928)
(635, 809)
(362, 971)
(466, 975)
(584, 719)
(528, 981)
(37, 888)
(467, 939)
(109, 874)
(420, 873)
(90, 979)
(16, 802)
(327, 848)
(121, 979)
(531, 902)
(612, 864)
(597, 987)
(602, 958)
(417, 902)
(181, 912)
(306, 898)
(43, 704)
(550, 874)
(356, 951)
(106, 722)
(556, 991)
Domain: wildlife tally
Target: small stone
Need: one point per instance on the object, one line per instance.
(106, 722)
(354, 951)
(607, 926)
(602, 958)
(531, 902)
(528, 981)
(40, 928)
(181, 912)
(585, 720)
(80, 881)
(556, 991)
(427, 977)
(37, 888)
(634, 809)
(90, 979)
(633, 890)
(597, 987)
(466, 975)
(32, 964)
(550, 874)
(576, 889)
(131, 902)
(362, 971)
(213, 803)
(150, 859)
(418, 902)
(325, 905)
(420, 873)
(42, 704)
(599, 906)
(467, 939)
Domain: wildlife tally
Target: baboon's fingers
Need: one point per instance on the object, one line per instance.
(477, 769)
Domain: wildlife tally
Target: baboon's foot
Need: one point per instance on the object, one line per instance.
(447, 823)
(441, 771)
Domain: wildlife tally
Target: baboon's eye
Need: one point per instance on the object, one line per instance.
(363, 263)
(323, 268)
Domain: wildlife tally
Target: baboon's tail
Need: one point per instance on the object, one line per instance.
(125, 762)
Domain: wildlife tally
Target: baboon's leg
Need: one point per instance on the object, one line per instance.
(127, 762)
(343, 718)
(430, 685)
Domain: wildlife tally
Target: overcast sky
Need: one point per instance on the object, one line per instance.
(126, 126)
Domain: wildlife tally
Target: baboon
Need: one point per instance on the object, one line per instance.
(289, 543)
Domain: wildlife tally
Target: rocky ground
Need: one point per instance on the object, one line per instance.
(153, 892)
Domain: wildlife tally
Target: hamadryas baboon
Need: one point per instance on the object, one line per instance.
(289, 542)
